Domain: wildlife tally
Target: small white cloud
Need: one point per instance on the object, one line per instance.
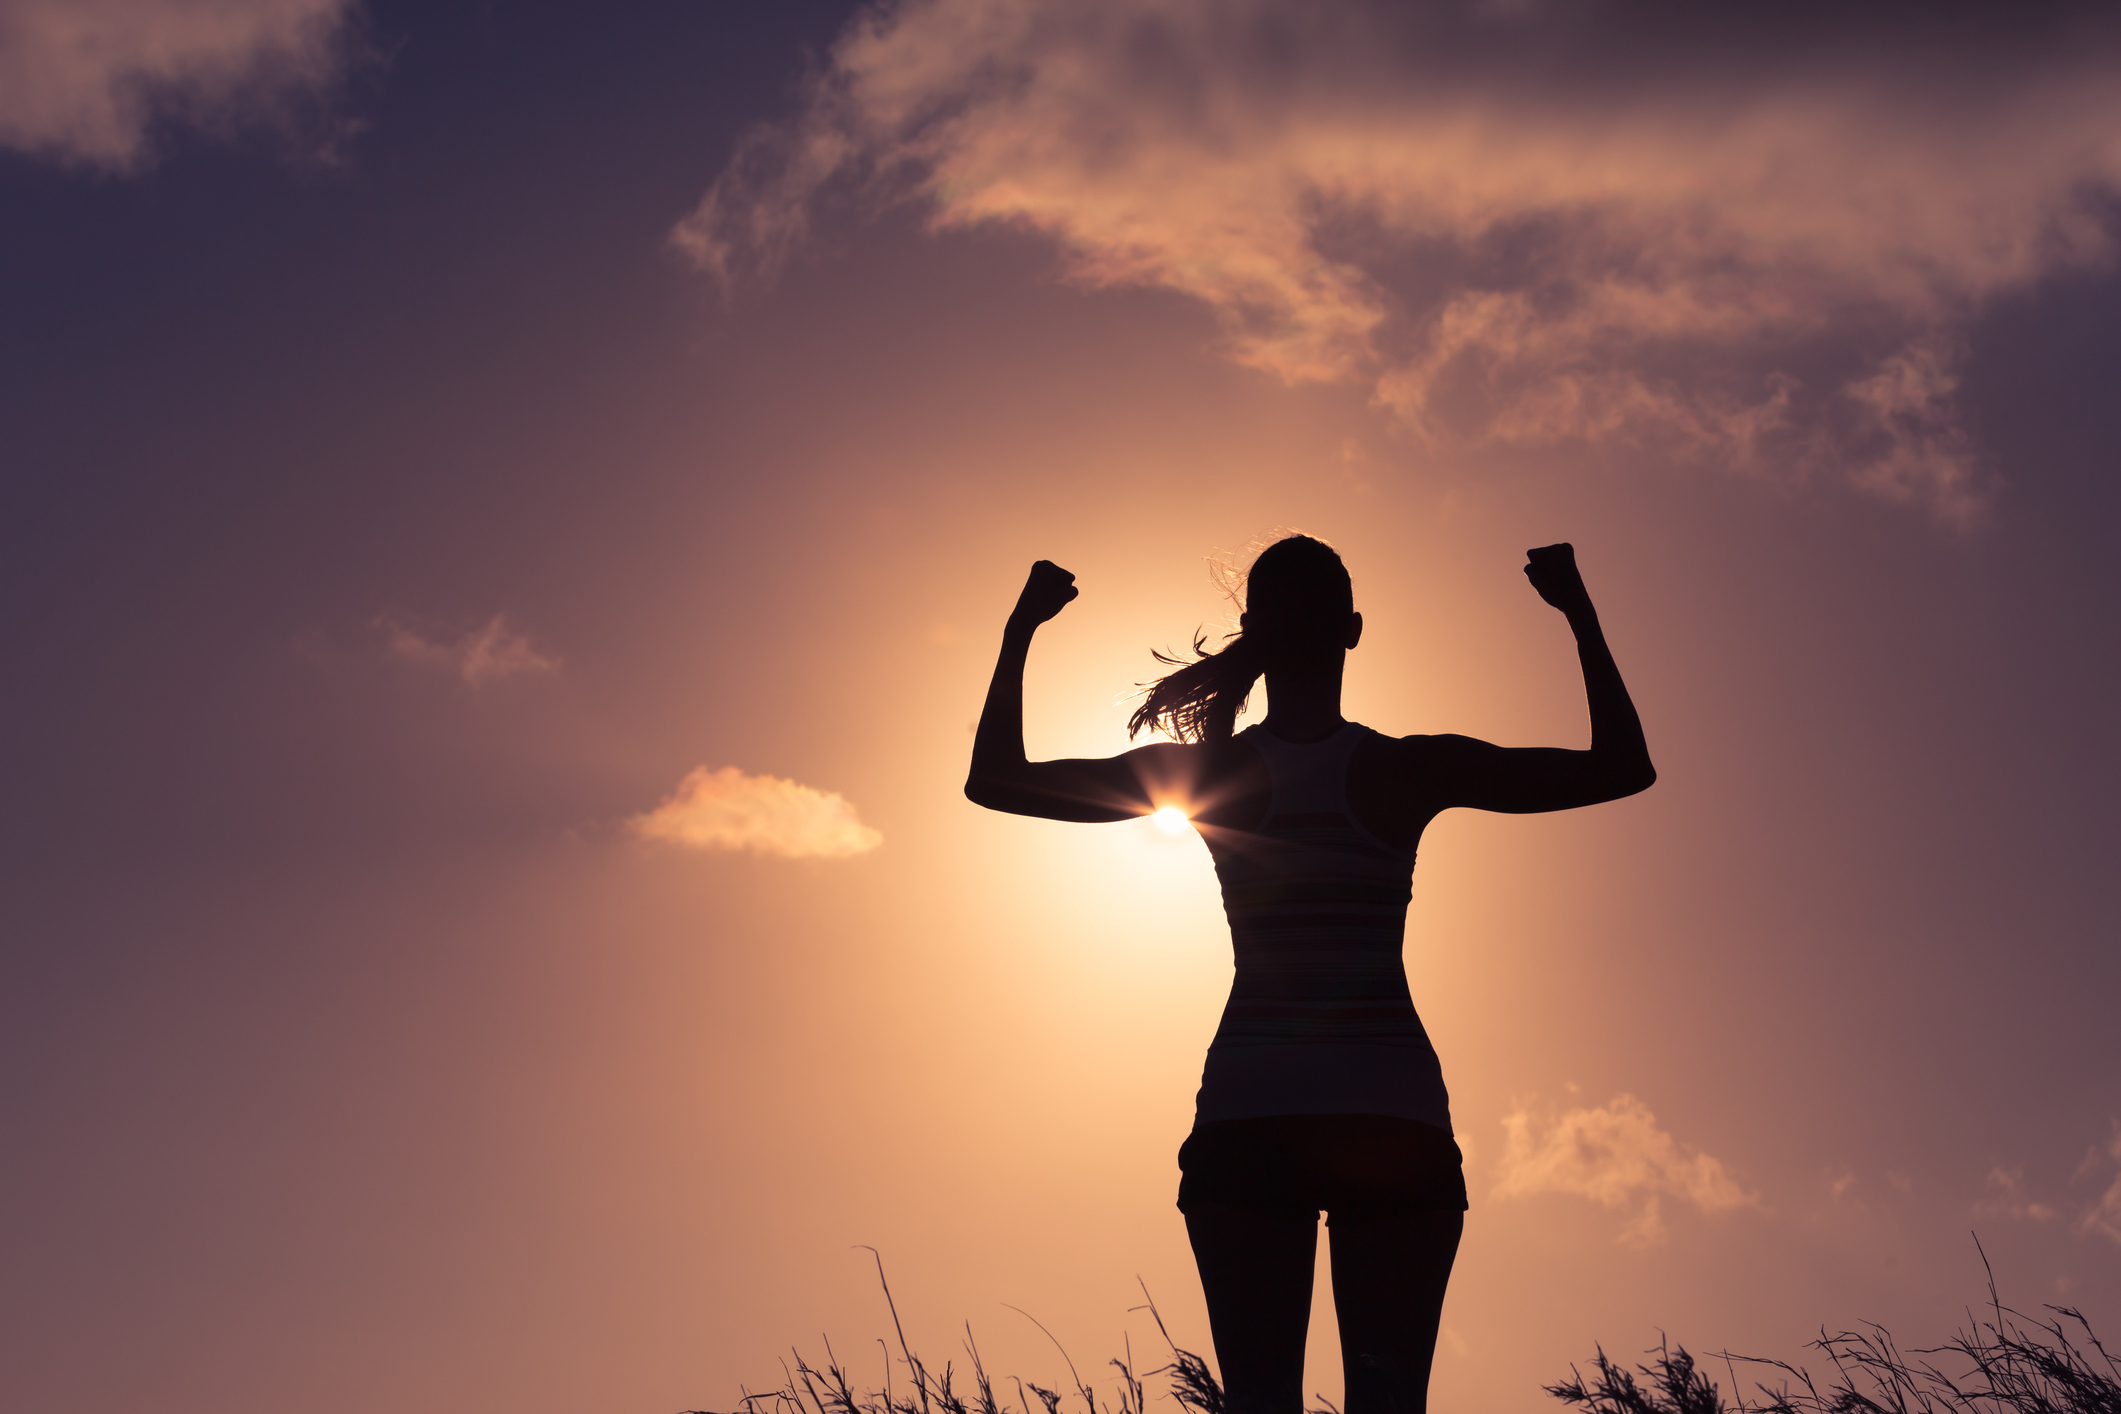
(729, 810)
(1616, 1156)
(2104, 1216)
(482, 655)
(84, 80)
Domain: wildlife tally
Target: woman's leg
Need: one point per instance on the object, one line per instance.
(1255, 1268)
(1388, 1282)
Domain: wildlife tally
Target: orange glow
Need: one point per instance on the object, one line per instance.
(1172, 820)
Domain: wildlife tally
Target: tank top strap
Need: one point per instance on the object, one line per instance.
(1309, 778)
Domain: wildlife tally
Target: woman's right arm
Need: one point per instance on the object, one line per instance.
(1003, 778)
(1463, 771)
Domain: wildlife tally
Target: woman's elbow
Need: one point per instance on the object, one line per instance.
(986, 791)
(1618, 782)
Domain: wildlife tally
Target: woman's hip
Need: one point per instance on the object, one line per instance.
(1354, 1167)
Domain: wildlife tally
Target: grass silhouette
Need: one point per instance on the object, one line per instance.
(2004, 1363)
(811, 1389)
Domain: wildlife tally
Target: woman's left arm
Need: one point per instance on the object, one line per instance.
(1003, 778)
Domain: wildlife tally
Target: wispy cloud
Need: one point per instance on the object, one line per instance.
(482, 655)
(1614, 1155)
(1756, 242)
(728, 810)
(2104, 1216)
(2006, 1197)
(85, 80)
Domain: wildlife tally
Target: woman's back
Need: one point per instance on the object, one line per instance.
(1320, 1020)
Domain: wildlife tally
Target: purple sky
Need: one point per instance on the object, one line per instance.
(508, 513)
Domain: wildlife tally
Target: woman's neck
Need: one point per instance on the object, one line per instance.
(1304, 706)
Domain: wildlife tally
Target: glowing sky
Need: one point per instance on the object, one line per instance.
(508, 513)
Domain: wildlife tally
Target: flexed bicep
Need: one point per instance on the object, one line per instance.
(1086, 790)
(1525, 780)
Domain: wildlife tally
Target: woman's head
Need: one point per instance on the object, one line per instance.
(1299, 602)
(1298, 612)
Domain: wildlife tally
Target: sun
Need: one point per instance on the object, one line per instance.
(1171, 820)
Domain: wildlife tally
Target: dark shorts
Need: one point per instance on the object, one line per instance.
(1357, 1167)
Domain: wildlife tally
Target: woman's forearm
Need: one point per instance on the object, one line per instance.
(1616, 730)
(998, 743)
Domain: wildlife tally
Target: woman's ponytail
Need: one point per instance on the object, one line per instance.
(1200, 701)
(1300, 599)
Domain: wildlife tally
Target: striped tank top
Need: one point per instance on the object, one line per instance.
(1320, 1020)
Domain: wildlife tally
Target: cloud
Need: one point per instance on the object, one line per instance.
(729, 810)
(2104, 1216)
(1752, 239)
(2007, 1198)
(1617, 1156)
(84, 80)
(482, 655)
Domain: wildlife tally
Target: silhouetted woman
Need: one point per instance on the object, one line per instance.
(1321, 1090)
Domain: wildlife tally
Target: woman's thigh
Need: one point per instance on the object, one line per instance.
(1389, 1276)
(1255, 1270)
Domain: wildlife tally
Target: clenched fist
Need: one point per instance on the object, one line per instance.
(1552, 570)
(1046, 593)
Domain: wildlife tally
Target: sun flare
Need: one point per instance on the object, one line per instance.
(1171, 820)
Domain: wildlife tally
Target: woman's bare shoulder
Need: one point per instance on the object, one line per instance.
(1227, 784)
(1404, 763)
(1426, 746)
